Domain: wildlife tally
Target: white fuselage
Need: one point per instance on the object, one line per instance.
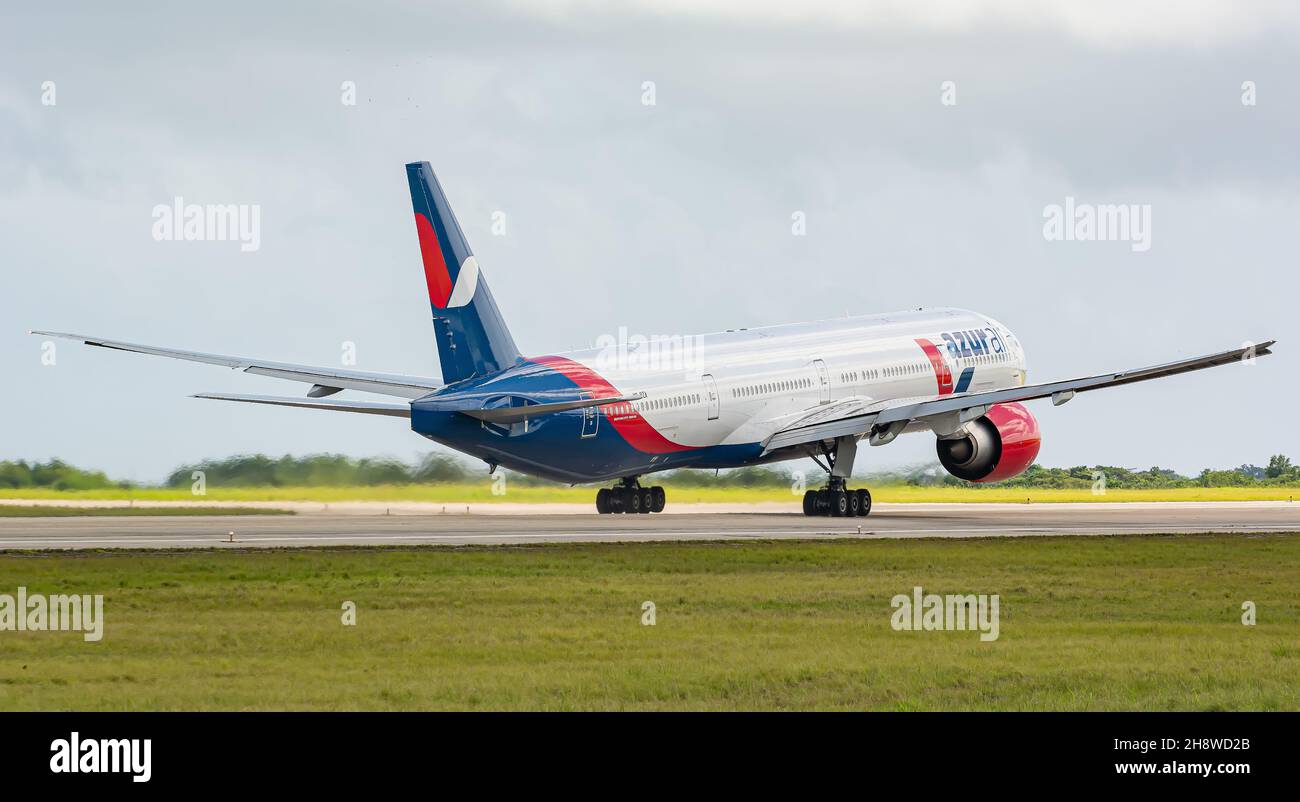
(740, 386)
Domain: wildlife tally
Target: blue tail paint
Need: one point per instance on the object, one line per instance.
(472, 336)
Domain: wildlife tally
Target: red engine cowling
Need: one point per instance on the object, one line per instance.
(1000, 445)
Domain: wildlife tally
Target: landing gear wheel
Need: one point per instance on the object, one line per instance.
(658, 498)
(836, 499)
(864, 501)
(839, 503)
(630, 497)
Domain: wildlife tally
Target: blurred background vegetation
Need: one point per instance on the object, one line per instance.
(336, 470)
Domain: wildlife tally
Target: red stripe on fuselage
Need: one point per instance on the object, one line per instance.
(435, 267)
(942, 373)
(635, 429)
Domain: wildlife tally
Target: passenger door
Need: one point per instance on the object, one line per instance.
(824, 379)
(711, 395)
(590, 419)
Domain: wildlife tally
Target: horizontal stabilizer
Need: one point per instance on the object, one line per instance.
(365, 407)
(519, 414)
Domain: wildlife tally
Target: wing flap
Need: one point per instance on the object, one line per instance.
(844, 418)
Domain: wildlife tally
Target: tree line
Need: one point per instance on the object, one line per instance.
(317, 470)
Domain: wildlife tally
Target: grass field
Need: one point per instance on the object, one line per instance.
(482, 493)
(37, 511)
(1100, 623)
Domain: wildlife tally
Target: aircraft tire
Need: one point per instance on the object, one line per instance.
(659, 499)
(810, 502)
(839, 503)
(864, 502)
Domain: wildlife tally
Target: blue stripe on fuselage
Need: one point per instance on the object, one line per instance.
(964, 382)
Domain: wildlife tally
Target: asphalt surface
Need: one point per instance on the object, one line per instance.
(327, 528)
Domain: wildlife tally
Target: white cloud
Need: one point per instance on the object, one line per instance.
(1105, 23)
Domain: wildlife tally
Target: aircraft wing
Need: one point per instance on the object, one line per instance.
(885, 420)
(326, 381)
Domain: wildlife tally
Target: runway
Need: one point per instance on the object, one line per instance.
(367, 528)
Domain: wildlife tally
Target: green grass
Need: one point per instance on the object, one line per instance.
(482, 493)
(1097, 623)
(39, 511)
(1044, 495)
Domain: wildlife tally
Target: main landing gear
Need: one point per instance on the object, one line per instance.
(630, 496)
(836, 499)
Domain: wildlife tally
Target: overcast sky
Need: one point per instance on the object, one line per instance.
(668, 218)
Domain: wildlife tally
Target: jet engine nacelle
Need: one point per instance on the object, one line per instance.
(999, 445)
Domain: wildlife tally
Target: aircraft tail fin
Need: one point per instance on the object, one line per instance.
(472, 336)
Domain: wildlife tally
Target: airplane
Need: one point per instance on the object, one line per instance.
(723, 400)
